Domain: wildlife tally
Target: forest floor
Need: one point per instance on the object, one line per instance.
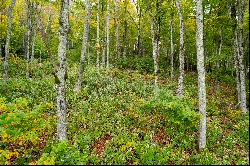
(118, 118)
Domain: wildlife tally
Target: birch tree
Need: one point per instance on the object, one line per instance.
(139, 14)
(28, 35)
(98, 48)
(61, 70)
(237, 16)
(34, 34)
(125, 29)
(154, 43)
(107, 33)
(171, 47)
(7, 44)
(235, 43)
(181, 51)
(240, 5)
(103, 38)
(201, 74)
(83, 50)
(116, 25)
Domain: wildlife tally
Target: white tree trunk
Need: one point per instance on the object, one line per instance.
(139, 11)
(84, 46)
(61, 71)
(201, 74)
(236, 64)
(28, 37)
(107, 33)
(171, 48)
(154, 46)
(125, 30)
(88, 54)
(34, 39)
(236, 49)
(240, 57)
(116, 25)
(181, 52)
(98, 35)
(7, 45)
(103, 41)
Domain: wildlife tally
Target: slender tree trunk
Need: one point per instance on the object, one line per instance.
(103, 39)
(103, 47)
(34, 39)
(158, 28)
(125, 30)
(98, 49)
(218, 47)
(61, 72)
(116, 25)
(240, 57)
(238, 54)
(138, 27)
(7, 45)
(107, 33)
(88, 54)
(171, 48)
(28, 37)
(142, 29)
(201, 74)
(154, 45)
(83, 51)
(181, 52)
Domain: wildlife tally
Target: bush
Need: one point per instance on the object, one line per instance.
(23, 131)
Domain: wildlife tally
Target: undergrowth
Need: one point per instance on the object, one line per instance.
(117, 119)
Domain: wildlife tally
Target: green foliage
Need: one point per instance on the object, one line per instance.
(63, 153)
(142, 64)
(116, 119)
(22, 130)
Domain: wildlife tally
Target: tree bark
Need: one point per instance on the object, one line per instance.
(241, 57)
(181, 52)
(103, 39)
(33, 37)
(28, 37)
(235, 42)
(238, 52)
(61, 71)
(139, 12)
(125, 30)
(116, 25)
(88, 53)
(107, 33)
(83, 51)
(98, 35)
(171, 47)
(154, 44)
(201, 74)
(7, 45)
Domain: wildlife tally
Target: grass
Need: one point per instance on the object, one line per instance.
(117, 119)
